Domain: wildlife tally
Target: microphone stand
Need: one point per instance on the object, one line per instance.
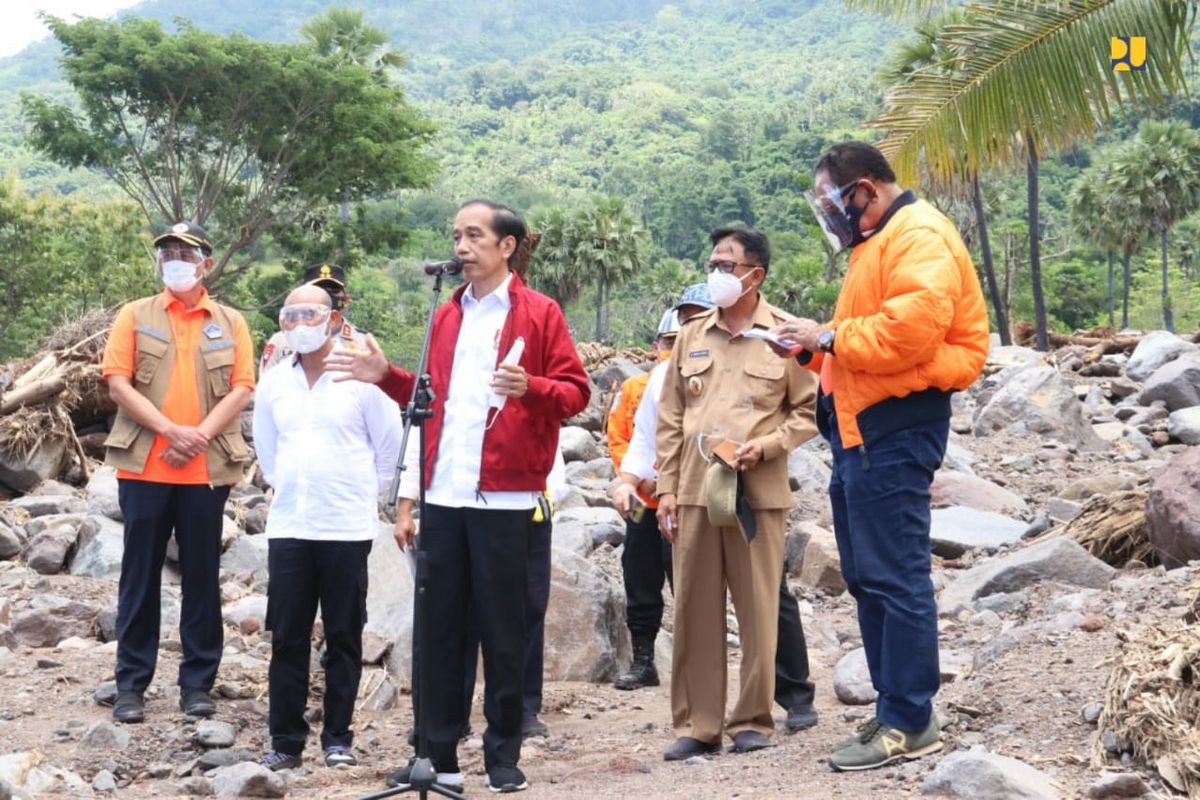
(423, 777)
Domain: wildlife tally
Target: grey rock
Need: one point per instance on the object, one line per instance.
(598, 469)
(1091, 713)
(47, 552)
(1118, 784)
(976, 774)
(578, 530)
(105, 694)
(1005, 357)
(593, 417)
(952, 488)
(958, 458)
(42, 505)
(247, 779)
(1174, 496)
(578, 444)
(10, 543)
(958, 529)
(104, 782)
(586, 636)
(954, 664)
(47, 626)
(1154, 350)
(248, 554)
(1003, 602)
(251, 607)
(377, 692)
(619, 370)
(1061, 510)
(35, 526)
(1036, 400)
(1176, 384)
(1056, 559)
(1184, 425)
(390, 603)
(104, 735)
(196, 786)
(256, 519)
(106, 624)
(852, 679)
(44, 463)
(807, 472)
(99, 548)
(102, 494)
(214, 733)
(820, 564)
(1084, 488)
(216, 758)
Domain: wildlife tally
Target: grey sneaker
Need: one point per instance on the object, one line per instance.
(339, 756)
(885, 745)
(276, 761)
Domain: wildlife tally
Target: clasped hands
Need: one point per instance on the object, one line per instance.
(371, 366)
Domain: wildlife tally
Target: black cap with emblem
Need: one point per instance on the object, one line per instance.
(188, 233)
(330, 278)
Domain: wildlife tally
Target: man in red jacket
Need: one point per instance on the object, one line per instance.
(484, 468)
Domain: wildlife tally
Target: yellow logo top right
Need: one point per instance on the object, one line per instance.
(1128, 53)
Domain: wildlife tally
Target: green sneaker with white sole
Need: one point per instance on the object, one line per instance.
(878, 744)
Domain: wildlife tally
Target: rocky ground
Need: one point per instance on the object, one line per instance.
(1028, 620)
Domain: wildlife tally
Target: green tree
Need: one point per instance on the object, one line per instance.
(237, 135)
(607, 245)
(344, 34)
(1159, 170)
(1030, 80)
(1112, 221)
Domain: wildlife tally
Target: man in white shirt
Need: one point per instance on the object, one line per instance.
(327, 448)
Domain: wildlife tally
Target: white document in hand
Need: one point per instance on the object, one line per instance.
(765, 335)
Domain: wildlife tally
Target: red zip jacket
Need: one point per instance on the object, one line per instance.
(518, 450)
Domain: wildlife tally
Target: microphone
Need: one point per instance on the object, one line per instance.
(451, 266)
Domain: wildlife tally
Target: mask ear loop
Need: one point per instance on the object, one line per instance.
(700, 447)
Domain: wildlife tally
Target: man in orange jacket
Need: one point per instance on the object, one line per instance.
(910, 328)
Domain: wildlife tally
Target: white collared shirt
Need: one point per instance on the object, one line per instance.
(327, 450)
(640, 457)
(460, 450)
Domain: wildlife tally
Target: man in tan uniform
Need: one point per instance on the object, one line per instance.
(722, 384)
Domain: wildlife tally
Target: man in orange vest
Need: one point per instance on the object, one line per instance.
(910, 328)
(180, 368)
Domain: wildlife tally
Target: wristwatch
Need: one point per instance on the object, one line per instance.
(825, 342)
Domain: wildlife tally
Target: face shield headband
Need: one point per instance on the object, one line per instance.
(838, 221)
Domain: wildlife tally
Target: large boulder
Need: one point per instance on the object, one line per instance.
(852, 679)
(957, 529)
(248, 779)
(1184, 425)
(1155, 349)
(247, 554)
(807, 472)
(31, 774)
(99, 548)
(1005, 357)
(577, 444)
(1057, 559)
(586, 637)
(976, 774)
(251, 608)
(592, 417)
(580, 530)
(953, 488)
(1036, 400)
(1174, 496)
(54, 620)
(819, 565)
(48, 551)
(102, 494)
(23, 473)
(41, 505)
(390, 594)
(1175, 384)
(10, 542)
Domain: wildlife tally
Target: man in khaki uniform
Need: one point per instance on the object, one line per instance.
(722, 384)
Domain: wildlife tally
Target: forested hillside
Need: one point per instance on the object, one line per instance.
(672, 117)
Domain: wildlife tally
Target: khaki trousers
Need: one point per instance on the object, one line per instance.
(706, 560)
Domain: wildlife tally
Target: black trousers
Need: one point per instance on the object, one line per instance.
(478, 569)
(152, 511)
(645, 562)
(537, 598)
(304, 572)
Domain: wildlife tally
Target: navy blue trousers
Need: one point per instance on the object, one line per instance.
(152, 511)
(881, 518)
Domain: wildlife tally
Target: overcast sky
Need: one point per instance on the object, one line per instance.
(20, 26)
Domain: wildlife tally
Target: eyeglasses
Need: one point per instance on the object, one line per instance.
(180, 253)
(727, 266)
(303, 313)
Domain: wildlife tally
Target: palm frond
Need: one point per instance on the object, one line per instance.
(1041, 69)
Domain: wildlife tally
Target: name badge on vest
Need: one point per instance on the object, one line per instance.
(212, 330)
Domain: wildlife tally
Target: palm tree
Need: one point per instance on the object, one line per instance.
(1160, 170)
(344, 33)
(553, 270)
(1029, 81)
(608, 246)
(1110, 220)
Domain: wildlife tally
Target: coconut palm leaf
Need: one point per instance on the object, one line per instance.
(1040, 69)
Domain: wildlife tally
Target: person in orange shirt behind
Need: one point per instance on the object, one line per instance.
(180, 368)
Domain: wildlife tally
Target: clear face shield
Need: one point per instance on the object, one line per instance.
(829, 207)
(306, 314)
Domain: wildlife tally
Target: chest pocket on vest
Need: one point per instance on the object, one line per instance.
(150, 353)
(765, 381)
(219, 366)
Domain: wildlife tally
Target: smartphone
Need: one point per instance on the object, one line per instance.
(637, 509)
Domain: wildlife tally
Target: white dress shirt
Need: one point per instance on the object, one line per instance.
(327, 450)
(410, 482)
(460, 451)
(640, 457)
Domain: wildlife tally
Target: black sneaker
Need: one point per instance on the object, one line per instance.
(402, 778)
(504, 779)
(197, 703)
(801, 717)
(129, 707)
(276, 761)
(339, 756)
(531, 726)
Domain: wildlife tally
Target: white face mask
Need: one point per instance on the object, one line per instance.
(725, 289)
(179, 276)
(307, 338)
